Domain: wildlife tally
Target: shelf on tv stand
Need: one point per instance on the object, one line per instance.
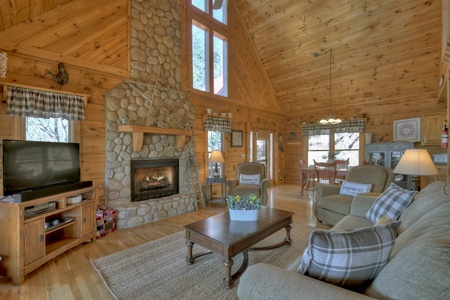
(26, 244)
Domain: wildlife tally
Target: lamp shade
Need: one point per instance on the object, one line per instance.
(216, 157)
(416, 162)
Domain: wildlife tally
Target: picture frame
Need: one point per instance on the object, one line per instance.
(236, 138)
(407, 130)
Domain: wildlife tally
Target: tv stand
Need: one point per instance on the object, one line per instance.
(28, 243)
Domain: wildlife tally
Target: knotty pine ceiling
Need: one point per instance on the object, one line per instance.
(384, 51)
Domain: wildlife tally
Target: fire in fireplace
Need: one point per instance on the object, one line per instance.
(154, 178)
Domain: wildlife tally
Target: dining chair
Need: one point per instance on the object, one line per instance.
(325, 172)
(341, 165)
(307, 178)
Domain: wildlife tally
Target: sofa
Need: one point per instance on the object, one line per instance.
(330, 206)
(418, 266)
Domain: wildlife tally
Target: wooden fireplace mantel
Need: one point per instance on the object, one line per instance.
(138, 134)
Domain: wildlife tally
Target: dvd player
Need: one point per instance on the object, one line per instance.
(35, 210)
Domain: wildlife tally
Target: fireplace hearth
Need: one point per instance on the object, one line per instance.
(154, 178)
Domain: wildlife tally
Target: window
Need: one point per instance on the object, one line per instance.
(209, 47)
(49, 130)
(318, 148)
(346, 145)
(215, 139)
(334, 146)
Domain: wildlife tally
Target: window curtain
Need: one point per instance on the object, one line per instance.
(217, 124)
(346, 126)
(23, 102)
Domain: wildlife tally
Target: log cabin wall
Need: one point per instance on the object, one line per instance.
(386, 62)
(251, 98)
(91, 38)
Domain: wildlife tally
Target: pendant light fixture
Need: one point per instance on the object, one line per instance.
(330, 119)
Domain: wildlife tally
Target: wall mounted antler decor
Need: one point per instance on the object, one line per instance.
(62, 77)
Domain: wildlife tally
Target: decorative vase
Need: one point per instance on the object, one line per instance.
(243, 215)
(368, 137)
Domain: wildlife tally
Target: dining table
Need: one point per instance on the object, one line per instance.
(310, 173)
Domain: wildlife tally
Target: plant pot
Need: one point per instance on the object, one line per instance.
(243, 215)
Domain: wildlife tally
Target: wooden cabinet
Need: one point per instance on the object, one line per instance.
(29, 241)
(388, 155)
(442, 176)
(432, 130)
(34, 241)
(88, 218)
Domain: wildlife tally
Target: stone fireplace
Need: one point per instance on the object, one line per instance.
(151, 97)
(152, 179)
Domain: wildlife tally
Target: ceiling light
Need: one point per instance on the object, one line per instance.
(330, 119)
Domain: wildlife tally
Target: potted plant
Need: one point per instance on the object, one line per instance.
(331, 156)
(243, 207)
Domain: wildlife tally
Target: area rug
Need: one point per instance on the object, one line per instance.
(158, 269)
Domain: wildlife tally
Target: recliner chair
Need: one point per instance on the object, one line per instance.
(248, 182)
(330, 207)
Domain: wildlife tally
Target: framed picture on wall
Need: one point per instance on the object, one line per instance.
(236, 138)
(407, 130)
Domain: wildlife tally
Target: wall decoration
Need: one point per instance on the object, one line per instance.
(236, 138)
(3, 63)
(62, 77)
(407, 130)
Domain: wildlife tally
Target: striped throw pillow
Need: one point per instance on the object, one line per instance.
(351, 259)
(390, 203)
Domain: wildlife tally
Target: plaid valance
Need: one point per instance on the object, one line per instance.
(213, 123)
(345, 126)
(23, 102)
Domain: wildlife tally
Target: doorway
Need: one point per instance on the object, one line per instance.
(263, 152)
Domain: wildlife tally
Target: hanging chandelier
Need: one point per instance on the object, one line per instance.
(330, 119)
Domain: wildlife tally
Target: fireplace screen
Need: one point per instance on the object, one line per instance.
(154, 178)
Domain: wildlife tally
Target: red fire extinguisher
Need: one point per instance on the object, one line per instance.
(444, 137)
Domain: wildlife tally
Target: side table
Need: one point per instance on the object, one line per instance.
(209, 183)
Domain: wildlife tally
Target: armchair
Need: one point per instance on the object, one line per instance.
(330, 207)
(250, 179)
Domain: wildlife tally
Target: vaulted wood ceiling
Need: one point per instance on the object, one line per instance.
(384, 51)
(85, 33)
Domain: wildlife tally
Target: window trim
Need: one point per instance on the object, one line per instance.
(332, 146)
(216, 28)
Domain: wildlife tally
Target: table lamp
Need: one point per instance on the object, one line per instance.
(216, 158)
(416, 162)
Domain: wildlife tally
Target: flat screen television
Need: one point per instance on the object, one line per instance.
(30, 165)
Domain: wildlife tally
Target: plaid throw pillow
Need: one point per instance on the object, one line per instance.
(349, 258)
(390, 203)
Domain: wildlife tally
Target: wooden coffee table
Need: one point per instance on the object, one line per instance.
(229, 238)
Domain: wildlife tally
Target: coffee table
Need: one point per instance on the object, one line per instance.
(229, 238)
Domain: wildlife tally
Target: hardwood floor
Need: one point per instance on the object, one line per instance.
(70, 275)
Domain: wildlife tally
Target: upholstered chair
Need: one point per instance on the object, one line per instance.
(330, 205)
(250, 179)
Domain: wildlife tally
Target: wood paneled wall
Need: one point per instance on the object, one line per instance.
(251, 100)
(385, 62)
(386, 57)
(91, 38)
